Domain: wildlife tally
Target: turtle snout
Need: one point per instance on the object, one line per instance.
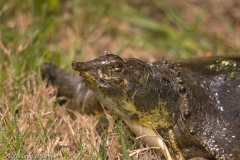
(79, 66)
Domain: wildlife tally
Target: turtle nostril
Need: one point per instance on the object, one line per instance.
(74, 66)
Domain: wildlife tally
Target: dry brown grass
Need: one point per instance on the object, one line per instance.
(40, 127)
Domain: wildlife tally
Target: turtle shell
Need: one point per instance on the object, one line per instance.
(209, 90)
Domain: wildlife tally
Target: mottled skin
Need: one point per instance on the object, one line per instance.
(193, 104)
(210, 106)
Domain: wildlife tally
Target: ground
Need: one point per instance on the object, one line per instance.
(32, 32)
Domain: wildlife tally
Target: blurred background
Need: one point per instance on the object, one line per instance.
(60, 31)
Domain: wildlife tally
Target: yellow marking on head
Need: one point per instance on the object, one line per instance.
(156, 117)
(89, 78)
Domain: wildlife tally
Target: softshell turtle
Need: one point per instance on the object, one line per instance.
(194, 105)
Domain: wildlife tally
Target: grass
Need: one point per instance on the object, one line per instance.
(32, 32)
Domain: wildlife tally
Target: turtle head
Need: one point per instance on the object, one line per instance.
(133, 89)
(104, 74)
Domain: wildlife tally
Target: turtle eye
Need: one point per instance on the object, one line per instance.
(116, 66)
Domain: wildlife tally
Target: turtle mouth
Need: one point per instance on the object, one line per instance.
(87, 72)
(89, 79)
